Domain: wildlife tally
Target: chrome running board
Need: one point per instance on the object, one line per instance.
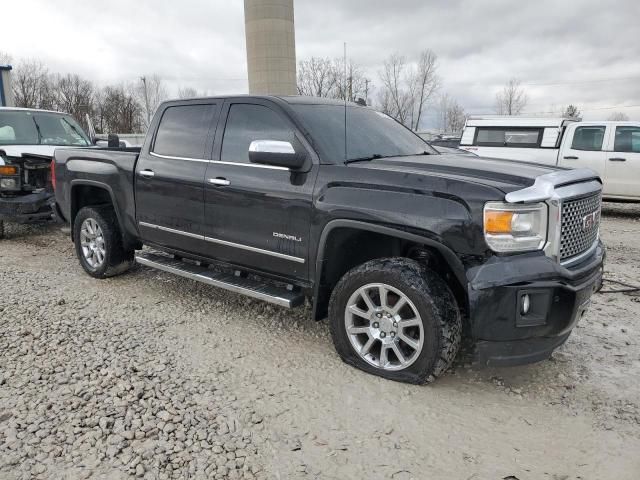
(282, 296)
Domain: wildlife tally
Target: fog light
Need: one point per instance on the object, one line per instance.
(526, 304)
(8, 183)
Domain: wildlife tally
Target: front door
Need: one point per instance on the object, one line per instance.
(582, 148)
(169, 177)
(257, 215)
(623, 162)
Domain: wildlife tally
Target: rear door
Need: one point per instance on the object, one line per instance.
(169, 176)
(582, 147)
(623, 162)
(257, 215)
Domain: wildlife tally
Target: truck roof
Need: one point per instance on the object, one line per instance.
(291, 99)
(517, 121)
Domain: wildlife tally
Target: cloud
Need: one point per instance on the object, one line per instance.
(560, 50)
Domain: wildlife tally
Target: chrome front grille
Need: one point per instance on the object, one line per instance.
(580, 225)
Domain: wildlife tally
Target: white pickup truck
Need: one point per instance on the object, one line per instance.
(610, 148)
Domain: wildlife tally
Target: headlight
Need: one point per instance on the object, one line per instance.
(8, 183)
(515, 228)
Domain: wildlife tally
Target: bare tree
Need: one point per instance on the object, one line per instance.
(323, 77)
(451, 115)
(316, 77)
(30, 83)
(188, 92)
(118, 110)
(407, 88)
(5, 58)
(571, 111)
(618, 117)
(74, 95)
(150, 93)
(424, 82)
(512, 99)
(394, 98)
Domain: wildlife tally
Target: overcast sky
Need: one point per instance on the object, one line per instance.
(585, 52)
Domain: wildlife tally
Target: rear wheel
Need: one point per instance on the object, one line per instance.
(98, 243)
(396, 319)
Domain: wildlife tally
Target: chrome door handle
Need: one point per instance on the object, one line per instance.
(222, 182)
(147, 173)
(617, 159)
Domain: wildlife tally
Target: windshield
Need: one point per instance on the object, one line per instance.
(369, 133)
(21, 127)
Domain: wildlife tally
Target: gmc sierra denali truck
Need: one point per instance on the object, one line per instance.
(406, 251)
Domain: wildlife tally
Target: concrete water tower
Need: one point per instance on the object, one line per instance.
(6, 93)
(271, 47)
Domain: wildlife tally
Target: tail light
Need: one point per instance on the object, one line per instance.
(53, 173)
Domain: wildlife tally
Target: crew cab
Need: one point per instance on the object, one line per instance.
(405, 250)
(28, 138)
(610, 148)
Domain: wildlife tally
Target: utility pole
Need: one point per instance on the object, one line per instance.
(146, 99)
(366, 90)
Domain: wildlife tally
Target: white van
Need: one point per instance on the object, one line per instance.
(610, 148)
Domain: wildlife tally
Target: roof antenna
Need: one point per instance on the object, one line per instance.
(345, 102)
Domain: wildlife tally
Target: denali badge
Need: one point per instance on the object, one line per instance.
(590, 221)
(287, 237)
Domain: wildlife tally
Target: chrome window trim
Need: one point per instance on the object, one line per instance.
(223, 242)
(170, 157)
(252, 165)
(220, 162)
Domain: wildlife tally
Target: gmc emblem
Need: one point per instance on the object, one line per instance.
(590, 221)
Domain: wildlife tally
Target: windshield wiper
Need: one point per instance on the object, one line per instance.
(75, 130)
(38, 130)
(375, 156)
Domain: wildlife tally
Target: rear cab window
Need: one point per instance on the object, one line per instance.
(183, 131)
(508, 137)
(627, 139)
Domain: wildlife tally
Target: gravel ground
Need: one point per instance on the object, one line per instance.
(152, 376)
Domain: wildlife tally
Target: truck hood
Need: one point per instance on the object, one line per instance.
(20, 150)
(506, 175)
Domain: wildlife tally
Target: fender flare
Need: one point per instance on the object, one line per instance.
(450, 257)
(92, 183)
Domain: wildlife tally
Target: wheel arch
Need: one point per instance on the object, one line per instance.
(89, 193)
(379, 241)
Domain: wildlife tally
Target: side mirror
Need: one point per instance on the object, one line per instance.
(113, 141)
(276, 153)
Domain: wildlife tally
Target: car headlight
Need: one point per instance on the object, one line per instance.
(8, 183)
(515, 228)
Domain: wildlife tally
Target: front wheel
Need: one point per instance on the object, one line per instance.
(98, 242)
(397, 319)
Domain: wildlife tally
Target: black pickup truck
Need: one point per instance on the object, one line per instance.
(407, 251)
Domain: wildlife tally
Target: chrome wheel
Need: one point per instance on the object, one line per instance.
(92, 243)
(384, 326)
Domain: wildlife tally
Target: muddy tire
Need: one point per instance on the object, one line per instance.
(408, 329)
(98, 243)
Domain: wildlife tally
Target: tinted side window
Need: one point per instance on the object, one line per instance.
(508, 137)
(247, 123)
(627, 139)
(183, 131)
(588, 138)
